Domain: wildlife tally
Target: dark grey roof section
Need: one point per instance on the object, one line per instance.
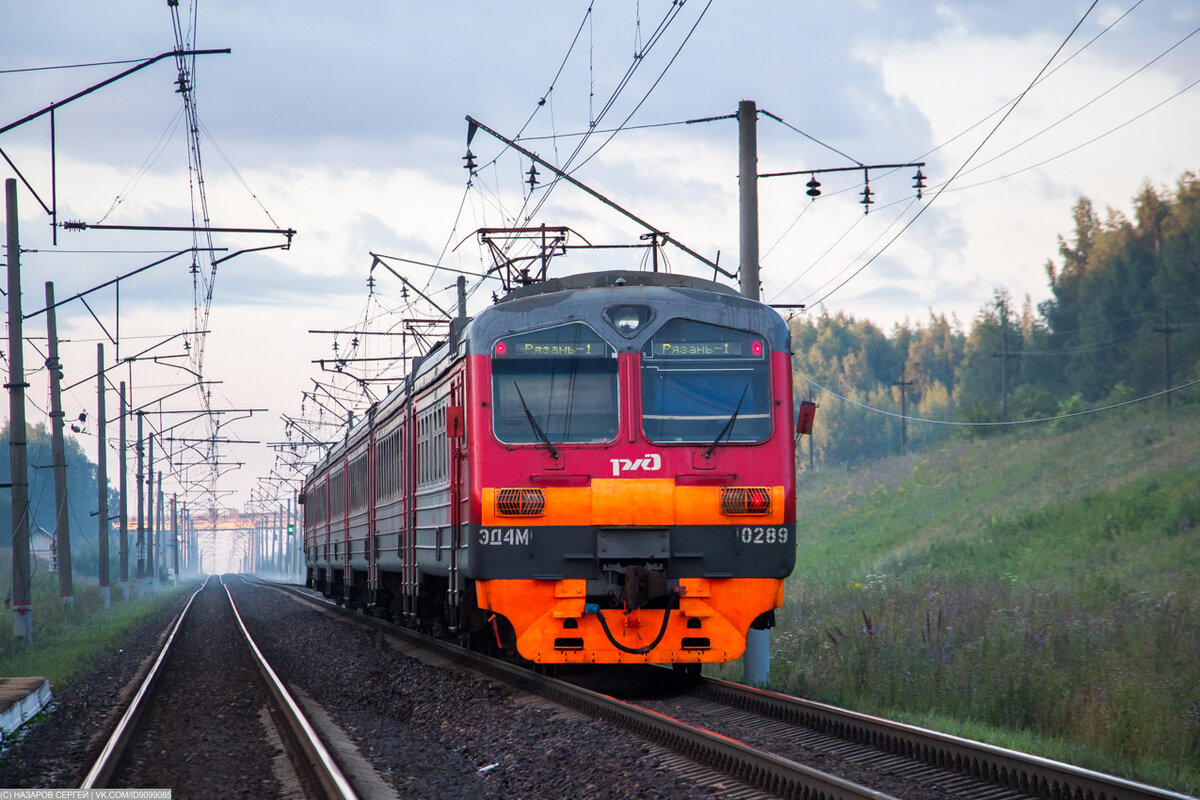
(592, 280)
(584, 298)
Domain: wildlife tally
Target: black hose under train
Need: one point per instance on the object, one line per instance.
(637, 651)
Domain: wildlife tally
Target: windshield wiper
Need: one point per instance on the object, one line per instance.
(533, 423)
(728, 424)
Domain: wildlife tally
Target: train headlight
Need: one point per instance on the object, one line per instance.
(628, 320)
(520, 502)
(746, 501)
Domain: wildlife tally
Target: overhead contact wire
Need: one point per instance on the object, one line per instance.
(963, 166)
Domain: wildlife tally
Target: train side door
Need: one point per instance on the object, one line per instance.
(347, 577)
(327, 524)
(409, 443)
(372, 493)
(456, 443)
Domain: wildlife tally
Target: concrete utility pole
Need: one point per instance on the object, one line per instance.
(757, 661)
(22, 599)
(748, 197)
(159, 556)
(185, 542)
(123, 491)
(279, 537)
(62, 516)
(295, 537)
(191, 551)
(1166, 329)
(151, 572)
(141, 512)
(1004, 356)
(102, 478)
(903, 384)
(175, 536)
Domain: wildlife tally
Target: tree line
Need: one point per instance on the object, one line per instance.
(81, 497)
(1122, 322)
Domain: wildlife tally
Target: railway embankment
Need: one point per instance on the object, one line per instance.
(92, 658)
(1038, 589)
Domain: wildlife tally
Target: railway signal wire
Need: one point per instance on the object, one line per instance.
(999, 424)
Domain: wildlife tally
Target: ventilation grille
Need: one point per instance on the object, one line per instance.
(520, 502)
(746, 501)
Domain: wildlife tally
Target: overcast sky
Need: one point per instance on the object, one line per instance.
(345, 121)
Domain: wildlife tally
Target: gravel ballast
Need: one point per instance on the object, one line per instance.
(58, 750)
(435, 732)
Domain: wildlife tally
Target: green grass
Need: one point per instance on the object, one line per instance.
(1038, 590)
(67, 641)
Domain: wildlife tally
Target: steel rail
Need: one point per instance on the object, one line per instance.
(1022, 772)
(114, 748)
(749, 765)
(319, 758)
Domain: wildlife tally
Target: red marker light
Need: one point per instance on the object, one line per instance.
(736, 500)
(501, 348)
(756, 348)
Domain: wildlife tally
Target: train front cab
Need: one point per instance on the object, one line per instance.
(633, 491)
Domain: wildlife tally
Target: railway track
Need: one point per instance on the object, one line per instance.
(920, 763)
(759, 736)
(211, 718)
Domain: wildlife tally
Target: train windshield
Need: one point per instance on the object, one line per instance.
(555, 385)
(706, 384)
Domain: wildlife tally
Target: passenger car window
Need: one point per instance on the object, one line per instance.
(695, 376)
(566, 376)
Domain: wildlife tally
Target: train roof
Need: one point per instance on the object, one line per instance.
(611, 278)
(585, 297)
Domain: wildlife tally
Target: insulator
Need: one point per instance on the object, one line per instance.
(866, 201)
(533, 173)
(919, 182)
(814, 187)
(470, 166)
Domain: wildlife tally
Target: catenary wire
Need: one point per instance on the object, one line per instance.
(1008, 423)
(1007, 105)
(963, 166)
(1080, 108)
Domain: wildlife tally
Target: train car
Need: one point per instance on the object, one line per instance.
(597, 468)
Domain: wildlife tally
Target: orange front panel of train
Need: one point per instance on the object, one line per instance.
(625, 502)
(553, 625)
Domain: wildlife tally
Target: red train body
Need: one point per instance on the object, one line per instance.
(595, 469)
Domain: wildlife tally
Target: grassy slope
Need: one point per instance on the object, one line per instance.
(68, 641)
(1039, 589)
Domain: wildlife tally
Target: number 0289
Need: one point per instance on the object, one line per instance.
(761, 535)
